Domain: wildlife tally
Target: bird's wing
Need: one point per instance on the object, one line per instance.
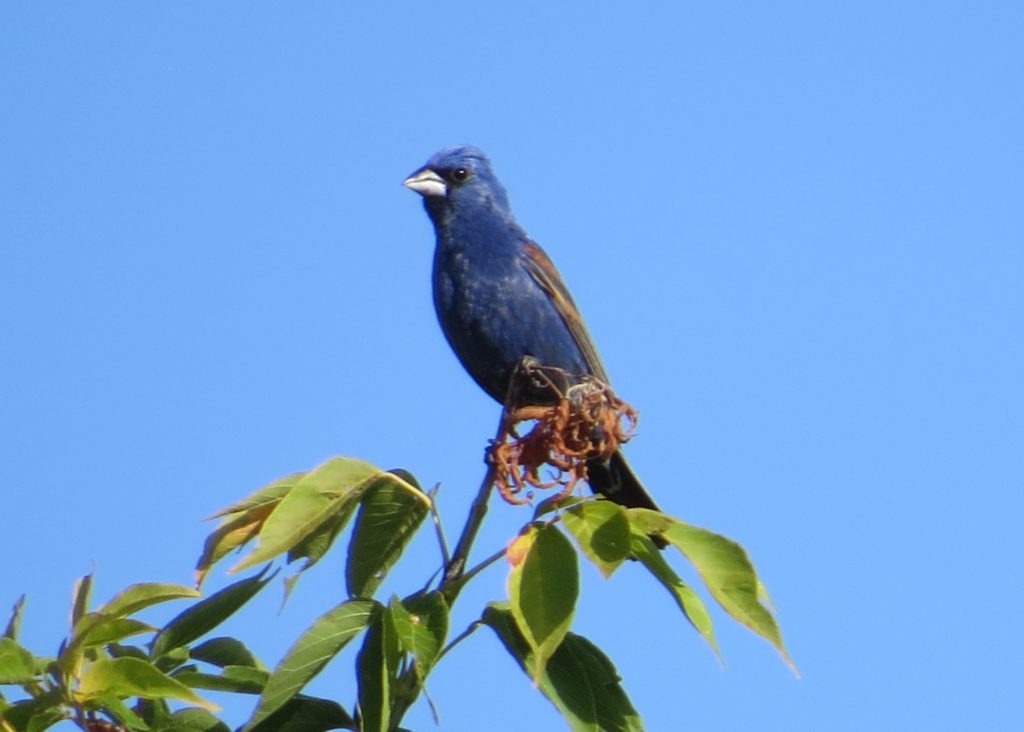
(546, 276)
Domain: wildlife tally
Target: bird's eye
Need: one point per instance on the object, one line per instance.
(459, 175)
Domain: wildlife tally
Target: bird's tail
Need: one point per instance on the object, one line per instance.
(616, 481)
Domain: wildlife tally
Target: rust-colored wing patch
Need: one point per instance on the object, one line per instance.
(544, 273)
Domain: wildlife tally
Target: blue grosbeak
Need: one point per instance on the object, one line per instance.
(499, 298)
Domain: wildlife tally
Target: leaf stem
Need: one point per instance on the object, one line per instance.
(452, 588)
(458, 639)
(455, 568)
(438, 529)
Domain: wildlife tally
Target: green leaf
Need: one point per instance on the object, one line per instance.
(94, 629)
(422, 626)
(578, 679)
(16, 664)
(71, 654)
(117, 651)
(312, 501)
(268, 495)
(80, 598)
(120, 711)
(136, 597)
(235, 679)
(224, 651)
(194, 719)
(45, 719)
(241, 522)
(314, 546)
(376, 670)
(289, 585)
(687, 600)
(389, 515)
(542, 588)
(108, 630)
(172, 659)
(156, 712)
(311, 652)
(14, 623)
(764, 597)
(601, 528)
(206, 615)
(725, 568)
(37, 713)
(235, 532)
(306, 714)
(124, 677)
(554, 503)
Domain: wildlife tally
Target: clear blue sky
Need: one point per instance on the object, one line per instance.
(795, 231)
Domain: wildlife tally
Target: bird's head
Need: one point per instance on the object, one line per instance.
(458, 177)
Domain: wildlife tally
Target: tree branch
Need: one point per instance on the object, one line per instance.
(450, 584)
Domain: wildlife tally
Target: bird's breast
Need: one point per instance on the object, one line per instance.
(493, 314)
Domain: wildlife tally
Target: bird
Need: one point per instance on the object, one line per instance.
(499, 298)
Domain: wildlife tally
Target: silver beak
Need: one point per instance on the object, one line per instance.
(426, 182)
